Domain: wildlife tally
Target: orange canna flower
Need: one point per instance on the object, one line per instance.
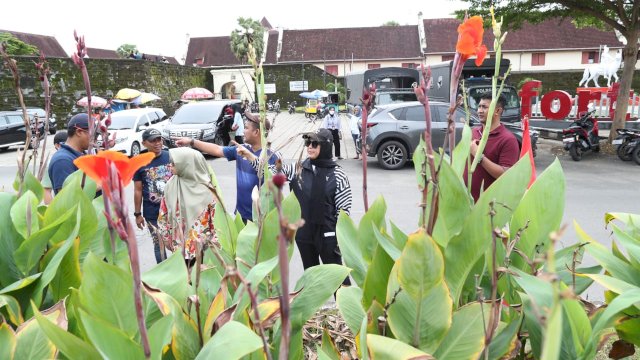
(97, 166)
(470, 34)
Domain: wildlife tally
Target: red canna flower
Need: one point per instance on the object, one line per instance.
(97, 166)
(470, 40)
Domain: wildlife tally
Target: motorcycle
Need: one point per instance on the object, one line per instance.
(581, 136)
(292, 107)
(628, 145)
(276, 106)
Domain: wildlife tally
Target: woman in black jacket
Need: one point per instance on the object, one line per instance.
(323, 190)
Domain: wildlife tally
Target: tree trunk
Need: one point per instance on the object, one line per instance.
(630, 58)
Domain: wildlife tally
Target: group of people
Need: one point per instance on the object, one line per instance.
(175, 198)
(137, 56)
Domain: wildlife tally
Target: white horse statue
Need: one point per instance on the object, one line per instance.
(608, 67)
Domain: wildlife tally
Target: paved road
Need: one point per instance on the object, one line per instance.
(599, 183)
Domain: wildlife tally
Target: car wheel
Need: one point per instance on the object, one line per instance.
(635, 154)
(218, 140)
(135, 148)
(575, 152)
(52, 131)
(392, 155)
(623, 152)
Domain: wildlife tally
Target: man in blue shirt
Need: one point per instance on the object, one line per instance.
(246, 177)
(61, 164)
(149, 183)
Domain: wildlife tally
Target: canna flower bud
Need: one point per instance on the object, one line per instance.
(279, 179)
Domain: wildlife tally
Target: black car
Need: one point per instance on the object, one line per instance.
(197, 120)
(394, 131)
(42, 114)
(13, 131)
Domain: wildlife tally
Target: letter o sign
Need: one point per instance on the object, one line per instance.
(563, 110)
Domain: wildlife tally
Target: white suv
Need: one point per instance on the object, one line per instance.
(128, 126)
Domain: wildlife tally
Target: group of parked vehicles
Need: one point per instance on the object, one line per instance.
(398, 119)
(394, 125)
(628, 145)
(13, 131)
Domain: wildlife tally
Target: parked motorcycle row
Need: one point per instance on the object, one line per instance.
(582, 136)
(628, 145)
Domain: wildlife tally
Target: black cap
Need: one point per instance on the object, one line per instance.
(80, 121)
(151, 134)
(321, 135)
(60, 137)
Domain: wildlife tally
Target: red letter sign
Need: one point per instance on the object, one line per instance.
(565, 105)
(529, 90)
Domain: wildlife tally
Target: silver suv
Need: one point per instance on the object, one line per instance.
(394, 131)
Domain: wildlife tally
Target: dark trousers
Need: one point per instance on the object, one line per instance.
(239, 139)
(321, 247)
(152, 224)
(336, 140)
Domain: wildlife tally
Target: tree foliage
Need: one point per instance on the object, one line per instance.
(622, 16)
(391, 23)
(16, 46)
(240, 40)
(125, 50)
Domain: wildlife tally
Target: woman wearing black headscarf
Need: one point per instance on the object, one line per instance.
(323, 190)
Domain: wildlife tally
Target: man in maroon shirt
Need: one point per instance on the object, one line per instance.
(500, 153)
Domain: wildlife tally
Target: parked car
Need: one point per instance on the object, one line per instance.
(13, 131)
(197, 120)
(42, 114)
(128, 126)
(394, 131)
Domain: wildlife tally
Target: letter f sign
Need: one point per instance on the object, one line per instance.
(529, 90)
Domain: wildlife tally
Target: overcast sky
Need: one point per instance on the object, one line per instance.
(163, 27)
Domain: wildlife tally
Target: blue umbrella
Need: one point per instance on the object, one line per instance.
(315, 94)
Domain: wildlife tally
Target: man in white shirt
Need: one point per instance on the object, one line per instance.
(332, 123)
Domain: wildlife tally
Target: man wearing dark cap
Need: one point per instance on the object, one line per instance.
(149, 184)
(58, 140)
(61, 164)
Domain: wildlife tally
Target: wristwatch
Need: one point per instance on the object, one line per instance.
(192, 142)
(136, 214)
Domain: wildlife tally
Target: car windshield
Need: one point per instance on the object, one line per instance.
(509, 94)
(121, 122)
(198, 113)
(40, 112)
(391, 98)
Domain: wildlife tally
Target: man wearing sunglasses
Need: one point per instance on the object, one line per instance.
(61, 164)
(246, 175)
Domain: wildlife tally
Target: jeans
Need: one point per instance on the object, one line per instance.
(152, 224)
(355, 141)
